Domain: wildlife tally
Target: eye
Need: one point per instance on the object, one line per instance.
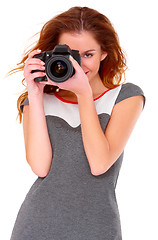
(88, 55)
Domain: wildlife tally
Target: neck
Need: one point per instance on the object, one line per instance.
(97, 86)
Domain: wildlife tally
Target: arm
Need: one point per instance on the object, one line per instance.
(37, 143)
(103, 149)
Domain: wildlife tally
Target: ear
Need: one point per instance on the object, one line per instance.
(103, 56)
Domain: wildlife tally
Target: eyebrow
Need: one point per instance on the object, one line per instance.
(90, 50)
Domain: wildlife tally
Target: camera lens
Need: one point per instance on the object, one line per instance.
(58, 69)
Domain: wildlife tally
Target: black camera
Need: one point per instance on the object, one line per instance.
(58, 67)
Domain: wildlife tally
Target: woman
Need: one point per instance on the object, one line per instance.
(75, 137)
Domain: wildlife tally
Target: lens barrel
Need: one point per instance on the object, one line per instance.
(59, 68)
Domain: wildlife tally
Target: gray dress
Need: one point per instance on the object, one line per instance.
(70, 203)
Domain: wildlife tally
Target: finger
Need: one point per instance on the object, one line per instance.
(37, 51)
(28, 72)
(74, 63)
(31, 68)
(28, 69)
(30, 77)
(38, 74)
(33, 61)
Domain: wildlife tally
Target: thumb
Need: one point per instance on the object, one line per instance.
(74, 63)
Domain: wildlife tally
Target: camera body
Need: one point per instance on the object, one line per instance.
(58, 67)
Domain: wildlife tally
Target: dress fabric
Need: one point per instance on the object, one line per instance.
(70, 203)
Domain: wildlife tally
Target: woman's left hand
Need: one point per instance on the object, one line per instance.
(78, 83)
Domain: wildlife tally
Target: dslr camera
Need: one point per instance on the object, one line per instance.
(58, 67)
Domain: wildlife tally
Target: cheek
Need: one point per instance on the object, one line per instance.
(91, 64)
(95, 65)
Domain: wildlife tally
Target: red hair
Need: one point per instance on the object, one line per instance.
(79, 19)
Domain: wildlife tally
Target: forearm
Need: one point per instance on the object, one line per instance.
(95, 143)
(37, 143)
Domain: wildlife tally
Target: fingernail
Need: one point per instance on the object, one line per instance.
(70, 57)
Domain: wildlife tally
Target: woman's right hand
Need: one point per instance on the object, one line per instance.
(34, 88)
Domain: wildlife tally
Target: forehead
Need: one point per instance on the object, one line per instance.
(83, 41)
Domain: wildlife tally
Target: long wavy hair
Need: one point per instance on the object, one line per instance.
(78, 19)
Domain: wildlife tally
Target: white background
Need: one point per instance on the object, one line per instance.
(136, 23)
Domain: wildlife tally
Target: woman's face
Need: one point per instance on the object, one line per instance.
(89, 49)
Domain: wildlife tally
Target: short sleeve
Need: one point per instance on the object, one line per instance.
(129, 90)
(25, 102)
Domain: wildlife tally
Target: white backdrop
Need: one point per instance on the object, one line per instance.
(136, 23)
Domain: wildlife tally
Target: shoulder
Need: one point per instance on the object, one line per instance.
(129, 90)
(24, 103)
(47, 100)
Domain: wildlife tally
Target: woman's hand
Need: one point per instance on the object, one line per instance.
(34, 88)
(78, 83)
